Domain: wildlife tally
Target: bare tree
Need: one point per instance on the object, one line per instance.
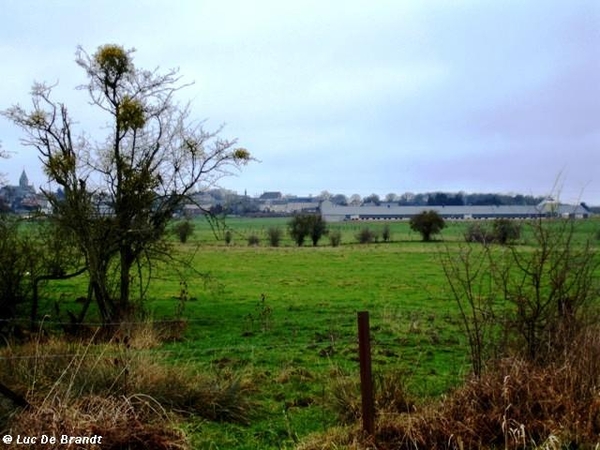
(467, 271)
(153, 156)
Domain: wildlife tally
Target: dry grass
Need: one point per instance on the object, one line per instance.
(391, 395)
(337, 438)
(135, 422)
(515, 404)
(123, 390)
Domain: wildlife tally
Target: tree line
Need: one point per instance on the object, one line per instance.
(435, 199)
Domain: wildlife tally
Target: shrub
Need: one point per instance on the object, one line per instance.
(366, 236)
(335, 238)
(228, 237)
(19, 257)
(477, 232)
(299, 228)
(274, 235)
(184, 230)
(506, 231)
(550, 292)
(553, 289)
(253, 240)
(318, 229)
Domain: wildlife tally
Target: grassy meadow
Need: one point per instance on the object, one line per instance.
(283, 320)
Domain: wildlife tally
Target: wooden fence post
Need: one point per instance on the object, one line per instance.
(366, 376)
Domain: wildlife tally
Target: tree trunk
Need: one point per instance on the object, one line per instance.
(127, 260)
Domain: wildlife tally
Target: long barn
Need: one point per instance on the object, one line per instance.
(548, 208)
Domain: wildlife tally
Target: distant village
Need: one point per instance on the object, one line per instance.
(24, 199)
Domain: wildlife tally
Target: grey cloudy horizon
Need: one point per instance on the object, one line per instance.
(349, 97)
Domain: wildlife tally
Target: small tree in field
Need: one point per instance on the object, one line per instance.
(184, 230)
(307, 225)
(299, 228)
(427, 224)
(318, 228)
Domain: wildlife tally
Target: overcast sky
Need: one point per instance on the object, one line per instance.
(346, 96)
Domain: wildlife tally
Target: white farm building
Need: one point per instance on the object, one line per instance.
(388, 211)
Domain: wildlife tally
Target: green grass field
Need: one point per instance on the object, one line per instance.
(285, 318)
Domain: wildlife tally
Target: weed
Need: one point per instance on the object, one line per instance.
(344, 395)
(264, 313)
(263, 316)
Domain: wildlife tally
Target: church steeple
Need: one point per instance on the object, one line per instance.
(23, 180)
